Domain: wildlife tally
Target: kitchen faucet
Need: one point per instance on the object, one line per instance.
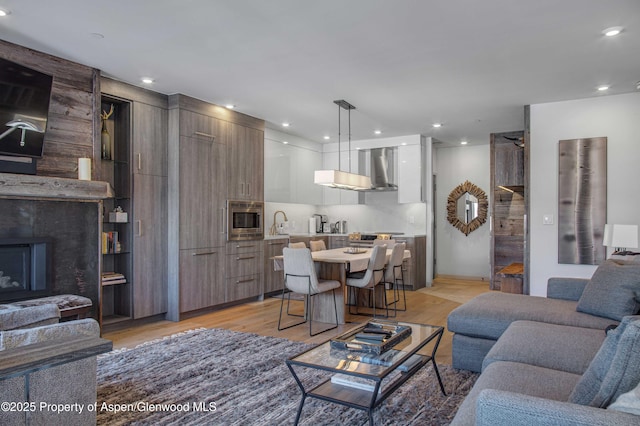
(273, 230)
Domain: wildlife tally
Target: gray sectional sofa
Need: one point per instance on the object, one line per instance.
(549, 360)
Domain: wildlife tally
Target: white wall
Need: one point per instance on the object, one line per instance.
(457, 254)
(617, 118)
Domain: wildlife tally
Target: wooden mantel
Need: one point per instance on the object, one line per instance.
(47, 187)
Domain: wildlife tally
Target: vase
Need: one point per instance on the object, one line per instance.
(105, 140)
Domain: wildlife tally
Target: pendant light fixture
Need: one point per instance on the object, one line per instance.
(338, 178)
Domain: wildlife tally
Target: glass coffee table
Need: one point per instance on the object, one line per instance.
(363, 380)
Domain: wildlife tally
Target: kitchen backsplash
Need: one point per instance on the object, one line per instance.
(409, 219)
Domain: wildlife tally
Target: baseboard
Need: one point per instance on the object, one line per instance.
(461, 277)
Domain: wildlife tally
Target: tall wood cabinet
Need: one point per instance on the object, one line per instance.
(245, 173)
(140, 172)
(214, 154)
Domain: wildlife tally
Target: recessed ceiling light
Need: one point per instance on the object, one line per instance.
(285, 142)
(463, 142)
(147, 80)
(229, 106)
(286, 124)
(5, 12)
(612, 31)
(327, 138)
(377, 132)
(358, 148)
(436, 125)
(603, 88)
(403, 144)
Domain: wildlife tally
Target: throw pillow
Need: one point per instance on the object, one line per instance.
(628, 402)
(613, 291)
(614, 370)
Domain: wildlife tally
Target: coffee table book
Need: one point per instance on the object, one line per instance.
(353, 342)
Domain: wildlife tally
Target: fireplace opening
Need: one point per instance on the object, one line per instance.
(24, 268)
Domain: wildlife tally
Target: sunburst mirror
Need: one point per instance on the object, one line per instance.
(467, 207)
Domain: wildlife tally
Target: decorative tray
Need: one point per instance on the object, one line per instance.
(375, 337)
(354, 250)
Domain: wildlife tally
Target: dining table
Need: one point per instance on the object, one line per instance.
(336, 264)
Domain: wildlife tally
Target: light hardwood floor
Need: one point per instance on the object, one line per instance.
(428, 306)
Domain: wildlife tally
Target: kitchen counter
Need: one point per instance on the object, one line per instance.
(275, 237)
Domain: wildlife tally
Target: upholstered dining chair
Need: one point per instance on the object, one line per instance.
(300, 277)
(317, 245)
(299, 245)
(393, 274)
(381, 242)
(370, 278)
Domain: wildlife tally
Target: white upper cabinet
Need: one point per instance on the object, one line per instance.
(410, 174)
(289, 171)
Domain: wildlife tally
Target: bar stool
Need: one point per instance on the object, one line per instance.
(394, 273)
(317, 245)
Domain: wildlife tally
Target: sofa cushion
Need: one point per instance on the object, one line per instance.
(628, 402)
(613, 291)
(558, 347)
(13, 317)
(516, 377)
(489, 314)
(614, 370)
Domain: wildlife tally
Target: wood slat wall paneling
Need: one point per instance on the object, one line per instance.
(71, 129)
(508, 208)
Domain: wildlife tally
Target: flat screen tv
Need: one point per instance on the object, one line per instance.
(24, 109)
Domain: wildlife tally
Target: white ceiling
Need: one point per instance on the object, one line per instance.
(404, 64)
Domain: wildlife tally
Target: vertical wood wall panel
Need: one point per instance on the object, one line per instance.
(72, 115)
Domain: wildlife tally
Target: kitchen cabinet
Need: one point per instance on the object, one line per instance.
(289, 174)
(245, 174)
(410, 174)
(201, 278)
(244, 267)
(214, 154)
(202, 194)
(338, 241)
(149, 245)
(149, 139)
(414, 268)
(273, 280)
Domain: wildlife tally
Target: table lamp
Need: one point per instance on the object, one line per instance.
(621, 237)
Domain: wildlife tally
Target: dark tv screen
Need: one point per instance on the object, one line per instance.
(24, 109)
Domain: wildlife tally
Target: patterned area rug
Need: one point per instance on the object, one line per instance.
(222, 377)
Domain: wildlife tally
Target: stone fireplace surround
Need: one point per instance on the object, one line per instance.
(69, 212)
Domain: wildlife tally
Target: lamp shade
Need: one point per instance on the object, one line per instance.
(342, 180)
(620, 236)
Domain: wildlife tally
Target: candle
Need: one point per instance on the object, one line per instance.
(84, 168)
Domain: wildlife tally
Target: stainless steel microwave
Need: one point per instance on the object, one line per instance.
(245, 220)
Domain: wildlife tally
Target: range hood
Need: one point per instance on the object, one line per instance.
(381, 168)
